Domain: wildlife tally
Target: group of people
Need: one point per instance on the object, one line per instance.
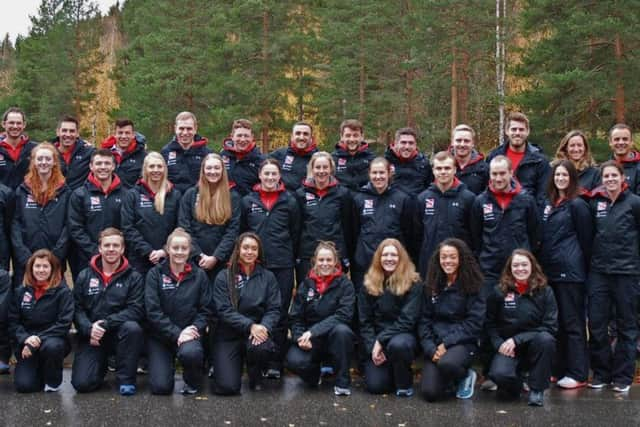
(304, 259)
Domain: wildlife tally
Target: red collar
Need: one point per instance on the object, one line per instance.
(14, 152)
(323, 282)
(303, 152)
(184, 273)
(96, 265)
(115, 183)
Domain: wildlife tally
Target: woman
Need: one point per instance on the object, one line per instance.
(177, 302)
(149, 214)
(247, 300)
(522, 319)
(40, 316)
(40, 218)
(575, 148)
(613, 279)
(453, 314)
(389, 306)
(210, 212)
(379, 212)
(320, 316)
(325, 207)
(273, 214)
(565, 246)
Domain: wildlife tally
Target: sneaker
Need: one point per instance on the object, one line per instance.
(525, 387)
(188, 390)
(341, 391)
(569, 383)
(127, 390)
(404, 392)
(465, 388)
(48, 388)
(597, 384)
(272, 374)
(488, 385)
(4, 368)
(536, 398)
(326, 370)
(620, 388)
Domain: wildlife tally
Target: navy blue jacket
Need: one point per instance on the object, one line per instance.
(631, 166)
(7, 208)
(184, 165)
(12, 173)
(439, 216)
(451, 318)
(293, 165)
(77, 170)
(412, 176)
(589, 178)
(352, 171)
(475, 174)
(6, 296)
(258, 302)
(566, 233)
(244, 170)
(129, 164)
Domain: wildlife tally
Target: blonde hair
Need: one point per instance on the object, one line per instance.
(562, 154)
(159, 199)
(320, 155)
(213, 205)
(400, 281)
(187, 115)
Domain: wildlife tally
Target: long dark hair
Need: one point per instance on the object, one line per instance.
(469, 277)
(234, 261)
(537, 281)
(572, 190)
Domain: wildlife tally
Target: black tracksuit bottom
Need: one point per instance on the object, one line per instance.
(438, 378)
(90, 362)
(43, 367)
(162, 356)
(396, 372)
(536, 355)
(336, 347)
(619, 291)
(285, 278)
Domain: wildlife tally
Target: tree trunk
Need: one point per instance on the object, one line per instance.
(463, 87)
(454, 91)
(265, 73)
(619, 103)
(362, 79)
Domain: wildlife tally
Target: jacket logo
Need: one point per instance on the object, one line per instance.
(368, 204)
(342, 161)
(310, 294)
(310, 196)
(94, 286)
(167, 283)
(602, 206)
(487, 208)
(172, 155)
(288, 160)
(510, 300)
(430, 203)
(30, 203)
(256, 208)
(27, 297)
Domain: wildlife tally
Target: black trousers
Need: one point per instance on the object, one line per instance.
(619, 291)
(536, 355)
(336, 347)
(449, 370)
(162, 364)
(396, 372)
(572, 356)
(285, 278)
(229, 357)
(90, 362)
(43, 367)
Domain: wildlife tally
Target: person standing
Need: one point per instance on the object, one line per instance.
(471, 168)
(241, 157)
(75, 153)
(575, 148)
(352, 155)
(129, 150)
(15, 148)
(410, 168)
(294, 158)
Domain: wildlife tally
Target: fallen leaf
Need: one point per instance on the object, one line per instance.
(388, 414)
(501, 412)
(201, 398)
(46, 411)
(263, 419)
(336, 404)
(372, 406)
(227, 422)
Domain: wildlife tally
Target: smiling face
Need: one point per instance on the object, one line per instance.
(102, 167)
(248, 252)
(405, 146)
(379, 176)
(269, 177)
(213, 170)
(561, 178)
(444, 172)
(67, 133)
(389, 258)
(301, 136)
(576, 148)
(449, 260)
(321, 170)
(326, 263)
(521, 268)
(178, 250)
(14, 125)
(500, 175)
(462, 143)
(242, 138)
(124, 135)
(155, 170)
(351, 138)
(186, 130)
(517, 133)
(41, 269)
(111, 249)
(620, 142)
(44, 159)
(612, 179)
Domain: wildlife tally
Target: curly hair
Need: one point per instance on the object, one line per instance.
(537, 280)
(400, 281)
(469, 276)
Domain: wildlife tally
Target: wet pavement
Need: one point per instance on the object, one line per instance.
(289, 403)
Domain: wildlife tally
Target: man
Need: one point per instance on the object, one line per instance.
(129, 149)
(241, 156)
(185, 152)
(621, 144)
(92, 208)
(352, 155)
(471, 167)
(503, 218)
(443, 210)
(75, 153)
(294, 158)
(15, 148)
(411, 169)
(109, 306)
(530, 166)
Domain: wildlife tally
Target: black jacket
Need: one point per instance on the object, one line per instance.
(39, 227)
(129, 164)
(244, 170)
(279, 228)
(293, 165)
(7, 207)
(318, 313)
(532, 172)
(451, 318)
(212, 240)
(475, 174)
(12, 173)
(91, 210)
(520, 317)
(377, 217)
(48, 317)
(172, 305)
(616, 240)
(115, 302)
(258, 302)
(184, 165)
(352, 171)
(566, 233)
(76, 171)
(412, 176)
(145, 230)
(439, 216)
(496, 233)
(589, 178)
(325, 218)
(382, 317)
(6, 295)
